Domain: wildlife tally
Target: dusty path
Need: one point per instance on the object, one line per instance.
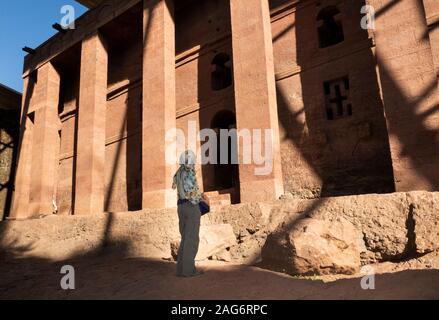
(115, 277)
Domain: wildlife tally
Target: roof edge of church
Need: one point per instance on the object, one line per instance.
(5, 88)
(89, 3)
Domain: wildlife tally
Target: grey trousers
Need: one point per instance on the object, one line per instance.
(189, 224)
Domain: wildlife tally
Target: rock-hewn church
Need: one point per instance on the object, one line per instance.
(353, 110)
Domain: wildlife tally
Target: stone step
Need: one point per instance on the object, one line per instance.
(215, 199)
(211, 194)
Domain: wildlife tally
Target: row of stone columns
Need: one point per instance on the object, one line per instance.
(255, 109)
(255, 97)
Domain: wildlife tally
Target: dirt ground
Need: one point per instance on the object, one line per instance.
(110, 276)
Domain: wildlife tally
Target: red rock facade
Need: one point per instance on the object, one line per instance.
(353, 110)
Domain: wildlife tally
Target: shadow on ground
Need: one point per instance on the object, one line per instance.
(115, 276)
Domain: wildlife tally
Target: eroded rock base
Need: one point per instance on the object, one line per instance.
(320, 236)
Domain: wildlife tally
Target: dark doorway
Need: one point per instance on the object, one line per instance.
(226, 174)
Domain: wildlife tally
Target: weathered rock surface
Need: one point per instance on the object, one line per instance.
(223, 255)
(424, 221)
(314, 247)
(214, 239)
(251, 223)
(146, 233)
(394, 227)
(380, 218)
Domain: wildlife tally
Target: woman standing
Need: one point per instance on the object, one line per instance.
(189, 215)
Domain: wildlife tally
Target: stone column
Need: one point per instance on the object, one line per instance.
(45, 141)
(159, 114)
(408, 83)
(255, 94)
(432, 16)
(90, 163)
(20, 202)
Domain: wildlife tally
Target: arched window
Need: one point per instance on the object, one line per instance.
(221, 72)
(330, 28)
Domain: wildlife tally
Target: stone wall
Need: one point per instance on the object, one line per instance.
(391, 227)
(9, 132)
(346, 155)
(432, 16)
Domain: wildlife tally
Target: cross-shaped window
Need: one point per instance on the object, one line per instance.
(337, 98)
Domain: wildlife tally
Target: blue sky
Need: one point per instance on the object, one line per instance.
(26, 23)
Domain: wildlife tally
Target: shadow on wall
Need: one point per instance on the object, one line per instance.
(24, 118)
(68, 66)
(9, 128)
(341, 131)
(419, 114)
(211, 83)
(290, 123)
(24, 125)
(418, 156)
(125, 65)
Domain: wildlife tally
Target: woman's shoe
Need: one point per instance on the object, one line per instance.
(197, 273)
